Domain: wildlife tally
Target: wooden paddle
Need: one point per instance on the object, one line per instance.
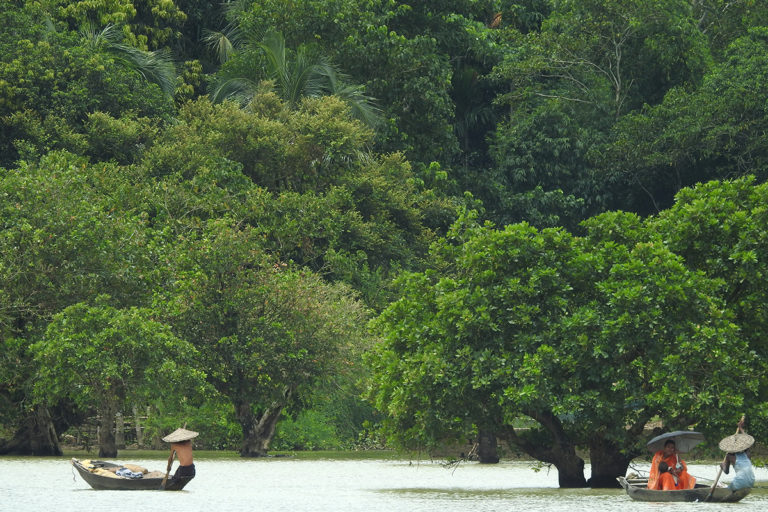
(725, 459)
(167, 471)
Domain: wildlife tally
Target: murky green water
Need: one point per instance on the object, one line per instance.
(334, 485)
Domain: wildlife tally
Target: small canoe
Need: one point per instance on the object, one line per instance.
(637, 490)
(101, 475)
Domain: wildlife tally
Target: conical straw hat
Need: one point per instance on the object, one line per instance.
(737, 443)
(179, 435)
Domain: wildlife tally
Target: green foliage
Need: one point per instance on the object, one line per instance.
(305, 73)
(61, 240)
(546, 111)
(591, 337)
(121, 140)
(377, 46)
(610, 56)
(102, 355)
(146, 23)
(309, 431)
(50, 81)
(329, 205)
(719, 228)
(723, 20)
(322, 142)
(190, 82)
(62, 243)
(266, 333)
(156, 67)
(537, 157)
(212, 416)
(709, 133)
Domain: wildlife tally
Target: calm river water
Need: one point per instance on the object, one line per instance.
(286, 484)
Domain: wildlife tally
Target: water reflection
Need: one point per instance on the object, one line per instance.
(349, 485)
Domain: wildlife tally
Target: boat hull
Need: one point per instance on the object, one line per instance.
(700, 493)
(106, 483)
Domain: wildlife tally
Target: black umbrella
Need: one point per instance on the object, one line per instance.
(684, 440)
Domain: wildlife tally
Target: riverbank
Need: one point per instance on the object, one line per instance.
(231, 454)
(759, 455)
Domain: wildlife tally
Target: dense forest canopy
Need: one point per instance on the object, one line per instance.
(541, 208)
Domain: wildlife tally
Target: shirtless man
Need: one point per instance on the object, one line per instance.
(181, 444)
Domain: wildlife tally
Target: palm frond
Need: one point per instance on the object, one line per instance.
(157, 67)
(362, 107)
(222, 44)
(239, 90)
(96, 39)
(303, 73)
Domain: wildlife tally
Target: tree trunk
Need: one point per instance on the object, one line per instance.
(119, 431)
(570, 471)
(487, 450)
(137, 426)
(608, 463)
(257, 432)
(107, 443)
(561, 451)
(35, 436)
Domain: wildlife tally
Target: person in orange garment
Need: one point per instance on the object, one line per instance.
(677, 468)
(666, 480)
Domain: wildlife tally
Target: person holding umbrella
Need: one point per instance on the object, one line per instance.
(669, 454)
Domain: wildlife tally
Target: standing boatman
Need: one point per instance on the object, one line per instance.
(737, 449)
(181, 446)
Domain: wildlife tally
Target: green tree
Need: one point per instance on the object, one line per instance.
(266, 333)
(541, 170)
(107, 358)
(323, 201)
(610, 56)
(652, 338)
(146, 24)
(63, 242)
(584, 336)
(324, 146)
(722, 21)
(403, 71)
(592, 63)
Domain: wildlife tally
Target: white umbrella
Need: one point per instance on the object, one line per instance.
(684, 440)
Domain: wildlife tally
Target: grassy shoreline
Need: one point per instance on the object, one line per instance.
(231, 454)
(130, 454)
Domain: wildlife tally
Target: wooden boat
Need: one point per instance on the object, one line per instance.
(98, 475)
(637, 490)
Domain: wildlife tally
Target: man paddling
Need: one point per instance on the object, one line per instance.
(737, 448)
(181, 446)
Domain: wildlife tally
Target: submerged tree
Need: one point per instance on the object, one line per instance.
(584, 336)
